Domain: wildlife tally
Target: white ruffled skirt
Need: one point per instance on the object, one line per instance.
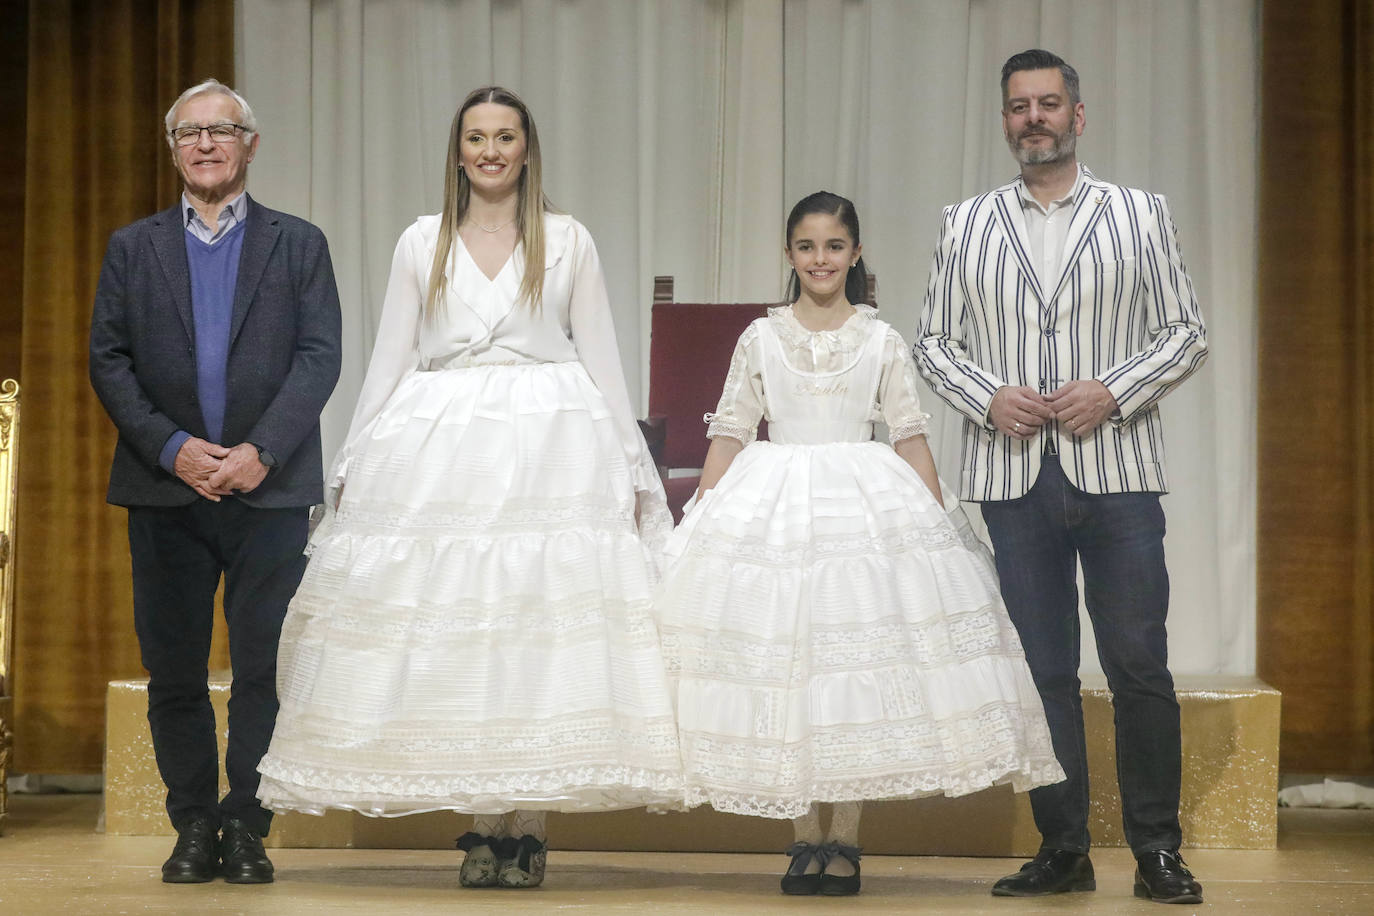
(833, 635)
(473, 631)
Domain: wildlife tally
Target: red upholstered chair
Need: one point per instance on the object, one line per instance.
(689, 354)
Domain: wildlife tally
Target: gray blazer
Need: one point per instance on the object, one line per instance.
(283, 354)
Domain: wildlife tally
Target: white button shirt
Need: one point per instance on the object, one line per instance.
(1046, 230)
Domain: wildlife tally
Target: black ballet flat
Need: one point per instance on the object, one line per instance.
(841, 885)
(796, 881)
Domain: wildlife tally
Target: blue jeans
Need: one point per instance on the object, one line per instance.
(1119, 539)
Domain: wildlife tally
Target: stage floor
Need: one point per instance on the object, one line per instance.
(53, 861)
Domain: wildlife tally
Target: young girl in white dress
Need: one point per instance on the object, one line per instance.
(833, 633)
(474, 628)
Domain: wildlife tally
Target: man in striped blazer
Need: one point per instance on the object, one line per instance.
(1058, 313)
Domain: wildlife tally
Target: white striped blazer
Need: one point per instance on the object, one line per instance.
(1122, 311)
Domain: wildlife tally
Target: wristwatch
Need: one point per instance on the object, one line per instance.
(268, 460)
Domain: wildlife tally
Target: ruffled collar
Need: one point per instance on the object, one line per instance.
(821, 351)
(846, 337)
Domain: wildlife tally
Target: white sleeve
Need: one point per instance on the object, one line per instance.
(898, 395)
(741, 404)
(593, 335)
(395, 354)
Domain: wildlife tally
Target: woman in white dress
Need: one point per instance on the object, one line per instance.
(833, 632)
(474, 628)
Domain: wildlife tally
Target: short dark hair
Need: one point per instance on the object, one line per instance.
(1039, 59)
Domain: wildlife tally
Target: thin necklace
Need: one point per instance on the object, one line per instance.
(493, 229)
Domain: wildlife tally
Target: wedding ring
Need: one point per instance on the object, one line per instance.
(1017, 427)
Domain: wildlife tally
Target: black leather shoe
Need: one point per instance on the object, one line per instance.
(1162, 877)
(244, 859)
(1052, 871)
(195, 858)
(796, 881)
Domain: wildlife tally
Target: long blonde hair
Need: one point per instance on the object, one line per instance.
(457, 192)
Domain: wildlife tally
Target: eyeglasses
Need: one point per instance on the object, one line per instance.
(219, 133)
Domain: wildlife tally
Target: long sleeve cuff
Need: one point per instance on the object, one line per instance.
(167, 458)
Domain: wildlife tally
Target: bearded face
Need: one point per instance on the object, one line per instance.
(1039, 122)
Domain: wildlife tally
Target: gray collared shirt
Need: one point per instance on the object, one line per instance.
(230, 215)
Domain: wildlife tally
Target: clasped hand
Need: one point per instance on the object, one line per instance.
(1080, 407)
(214, 471)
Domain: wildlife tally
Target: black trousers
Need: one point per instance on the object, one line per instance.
(179, 554)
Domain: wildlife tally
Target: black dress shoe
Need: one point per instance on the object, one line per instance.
(195, 858)
(1052, 871)
(245, 861)
(1162, 877)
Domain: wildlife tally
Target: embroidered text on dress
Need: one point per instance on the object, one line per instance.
(811, 388)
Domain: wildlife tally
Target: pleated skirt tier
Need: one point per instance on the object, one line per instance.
(474, 630)
(832, 634)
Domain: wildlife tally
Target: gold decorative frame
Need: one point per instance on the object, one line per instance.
(9, 488)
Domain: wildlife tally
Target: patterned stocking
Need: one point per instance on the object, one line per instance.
(528, 823)
(807, 829)
(844, 823)
(487, 824)
(844, 831)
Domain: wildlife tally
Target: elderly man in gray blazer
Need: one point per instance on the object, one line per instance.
(214, 346)
(1058, 313)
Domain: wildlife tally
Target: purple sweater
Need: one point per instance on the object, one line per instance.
(214, 276)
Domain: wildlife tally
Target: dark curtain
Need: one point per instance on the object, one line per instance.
(100, 76)
(1316, 388)
(14, 57)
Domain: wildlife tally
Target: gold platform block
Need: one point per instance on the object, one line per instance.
(1230, 762)
(1230, 784)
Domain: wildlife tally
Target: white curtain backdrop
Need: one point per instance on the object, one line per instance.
(680, 131)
